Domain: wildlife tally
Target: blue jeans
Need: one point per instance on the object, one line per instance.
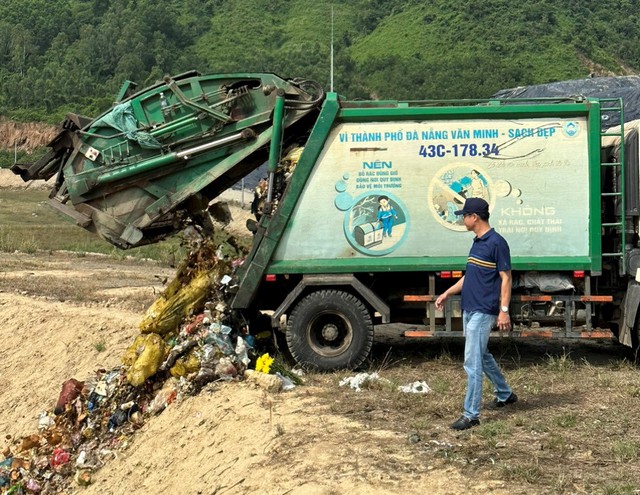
(477, 359)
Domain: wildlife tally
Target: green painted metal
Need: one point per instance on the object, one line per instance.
(250, 274)
(415, 265)
(276, 142)
(213, 130)
(618, 228)
(623, 189)
(363, 112)
(191, 136)
(260, 262)
(595, 221)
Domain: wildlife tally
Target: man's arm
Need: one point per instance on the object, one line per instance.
(454, 289)
(504, 321)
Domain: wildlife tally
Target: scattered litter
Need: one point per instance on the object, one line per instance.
(360, 380)
(270, 383)
(165, 396)
(415, 388)
(287, 383)
(188, 338)
(59, 458)
(45, 421)
(70, 390)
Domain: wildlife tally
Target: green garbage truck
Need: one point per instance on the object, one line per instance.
(358, 235)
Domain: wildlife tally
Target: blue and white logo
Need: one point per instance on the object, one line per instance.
(571, 129)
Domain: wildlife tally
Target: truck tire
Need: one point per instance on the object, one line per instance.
(330, 329)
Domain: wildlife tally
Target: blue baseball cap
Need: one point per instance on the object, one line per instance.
(473, 205)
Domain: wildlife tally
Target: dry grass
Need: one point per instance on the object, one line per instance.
(574, 430)
(89, 280)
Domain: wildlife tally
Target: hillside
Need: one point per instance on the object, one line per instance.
(72, 55)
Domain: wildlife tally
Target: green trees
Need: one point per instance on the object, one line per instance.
(72, 55)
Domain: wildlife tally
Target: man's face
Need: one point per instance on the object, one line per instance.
(469, 220)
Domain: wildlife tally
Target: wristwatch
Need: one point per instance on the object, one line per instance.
(504, 309)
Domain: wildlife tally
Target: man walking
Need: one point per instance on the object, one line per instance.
(486, 294)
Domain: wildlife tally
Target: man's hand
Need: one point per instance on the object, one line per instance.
(504, 322)
(454, 289)
(441, 299)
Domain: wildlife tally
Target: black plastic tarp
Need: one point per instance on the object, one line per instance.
(625, 87)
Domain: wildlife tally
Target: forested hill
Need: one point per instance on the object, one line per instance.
(73, 55)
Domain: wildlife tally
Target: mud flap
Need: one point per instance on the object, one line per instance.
(631, 303)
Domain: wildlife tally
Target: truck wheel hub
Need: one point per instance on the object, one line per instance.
(330, 332)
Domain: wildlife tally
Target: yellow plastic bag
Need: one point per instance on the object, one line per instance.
(151, 352)
(186, 365)
(132, 352)
(177, 302)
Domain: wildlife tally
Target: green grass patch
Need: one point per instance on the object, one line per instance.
(100, 345)
(524, 473)
(562, 363)
(28, 224)
(566, 419)
(619, 489)
(493, 430)
(625, 450)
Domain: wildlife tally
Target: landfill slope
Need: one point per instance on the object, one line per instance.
(46, 342)
(66, 316)
(232, 438)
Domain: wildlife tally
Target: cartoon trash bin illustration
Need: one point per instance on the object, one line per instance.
(368, 234)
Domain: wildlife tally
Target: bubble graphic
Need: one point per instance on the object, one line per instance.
(343, 201)
(346, 176)
(341, 186)
(502, 188)
(516, 193)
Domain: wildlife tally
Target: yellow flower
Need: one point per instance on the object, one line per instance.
(263, 363)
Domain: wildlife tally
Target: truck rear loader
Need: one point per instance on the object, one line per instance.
(359, 234)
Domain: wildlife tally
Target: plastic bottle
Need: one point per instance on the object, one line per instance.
(163, 102)
(241, 352)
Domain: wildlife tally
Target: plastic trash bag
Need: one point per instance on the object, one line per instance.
(287, 383)
(360, 380)
(165, 396)
(186, 365)
(122, 118)
(419, 387)
(241, 352)
(151, 354)
(177, 302)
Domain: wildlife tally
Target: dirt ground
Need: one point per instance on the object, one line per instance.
(66, 315)
(575, 429)
(232, 438)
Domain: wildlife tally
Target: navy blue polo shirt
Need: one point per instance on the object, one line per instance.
(488, 257)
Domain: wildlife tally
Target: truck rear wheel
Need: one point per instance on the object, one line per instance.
(330, 329)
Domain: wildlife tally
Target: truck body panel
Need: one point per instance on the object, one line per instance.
(361, 233)
(533, 184)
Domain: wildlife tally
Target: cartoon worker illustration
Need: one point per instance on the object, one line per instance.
(478, 188)
(452, 185)
(386, 215)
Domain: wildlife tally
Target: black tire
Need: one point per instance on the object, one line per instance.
(330, 329)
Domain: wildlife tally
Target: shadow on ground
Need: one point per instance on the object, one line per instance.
(509, 352)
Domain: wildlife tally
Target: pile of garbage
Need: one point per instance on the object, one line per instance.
(188, 338)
